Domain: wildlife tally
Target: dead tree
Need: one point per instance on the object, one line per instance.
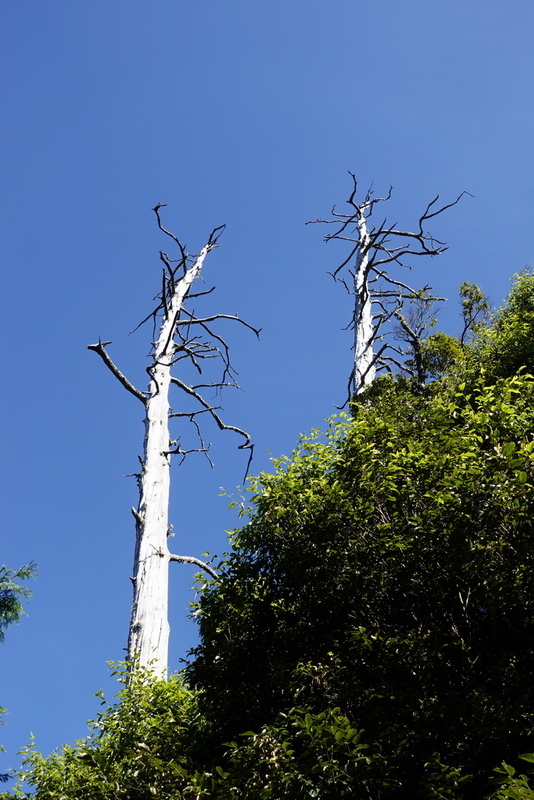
(182, 337)
(379, 298)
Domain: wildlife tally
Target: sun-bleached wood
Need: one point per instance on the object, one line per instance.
(148, 639)
(364, 368)
(379, 298)
(149, 625)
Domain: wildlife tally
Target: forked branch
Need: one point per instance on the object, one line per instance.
(247, 444)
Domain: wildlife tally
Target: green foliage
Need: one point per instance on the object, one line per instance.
(394, 558)
(371, 634)
(475, 309)
(301, 755)
(507, 344)
(11, 609)
(12, 593)
(511, 785)
(149, 745)
(139, 748)
(440, 352)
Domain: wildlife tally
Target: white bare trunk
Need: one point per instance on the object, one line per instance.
(148, 638)
(149, 625)
(364, 356)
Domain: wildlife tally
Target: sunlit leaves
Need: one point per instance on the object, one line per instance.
(396, 557)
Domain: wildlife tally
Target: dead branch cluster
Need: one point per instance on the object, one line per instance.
(373, 248)
(190, 338)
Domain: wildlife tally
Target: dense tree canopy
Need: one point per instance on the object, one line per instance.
(371, 632)
(389, 571)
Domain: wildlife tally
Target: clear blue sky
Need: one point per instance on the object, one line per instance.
(248, 113)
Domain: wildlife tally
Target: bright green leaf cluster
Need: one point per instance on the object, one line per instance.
(12, 593)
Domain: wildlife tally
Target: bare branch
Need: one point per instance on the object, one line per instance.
(215, 385)
(197, 320)
(196, 561)
(211, 410)
(426, 215)
(228, 369)
(184, 453)
(215, 235)
(201, 294)
(100, 348)
(386, 360)
(191, 414)
(205, 449)
(152, 315)
(168, 233)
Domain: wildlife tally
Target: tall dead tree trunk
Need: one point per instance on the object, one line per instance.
(364, 368)
(379, 298)
(177, 341)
